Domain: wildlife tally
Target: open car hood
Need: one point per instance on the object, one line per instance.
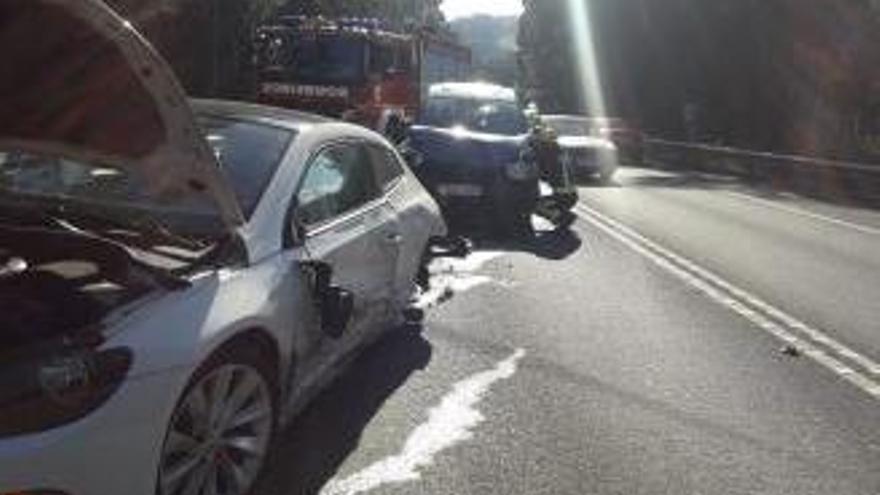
(80, 83)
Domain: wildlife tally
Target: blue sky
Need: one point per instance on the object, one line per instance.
(455, 9)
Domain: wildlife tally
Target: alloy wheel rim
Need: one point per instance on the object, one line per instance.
(219, 435)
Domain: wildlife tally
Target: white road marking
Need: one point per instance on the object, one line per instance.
(806, 213)
(470, 263)
(541, 224)
(762, 314)
(448, 424)
(452, 275)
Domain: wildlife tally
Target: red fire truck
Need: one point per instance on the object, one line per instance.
(352, 68)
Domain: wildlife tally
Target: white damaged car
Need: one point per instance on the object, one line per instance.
(177, 277)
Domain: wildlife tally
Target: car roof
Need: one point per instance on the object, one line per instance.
(473, 90)
(302, 123)
(283, 117)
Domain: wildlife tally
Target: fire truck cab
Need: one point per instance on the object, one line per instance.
(355, 69)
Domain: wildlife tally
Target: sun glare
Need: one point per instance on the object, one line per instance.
(588, 68)
(455, 9)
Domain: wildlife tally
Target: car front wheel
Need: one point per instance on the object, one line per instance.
(220, 431)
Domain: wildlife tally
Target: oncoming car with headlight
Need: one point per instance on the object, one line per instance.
(177, 277)
(585, 154)
(471, 150)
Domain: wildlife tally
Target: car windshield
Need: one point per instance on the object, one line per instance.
(570, 126)
(249, 154)
(106, 197)
(492, 117)
(319, 59)
(27, 173)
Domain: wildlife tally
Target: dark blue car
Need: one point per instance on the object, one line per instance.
(471, 151)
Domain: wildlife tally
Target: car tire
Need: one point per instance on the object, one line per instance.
(223, 442)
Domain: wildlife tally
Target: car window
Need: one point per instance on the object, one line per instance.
(338, 180)
(386, 167)
(249, 154)
(49, 176)
(570, 127)
(495, 117)
(499, 118)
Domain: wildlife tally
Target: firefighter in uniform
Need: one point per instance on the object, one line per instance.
(556, 172)
(395, 128)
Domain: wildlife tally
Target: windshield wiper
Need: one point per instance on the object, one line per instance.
(153, 226)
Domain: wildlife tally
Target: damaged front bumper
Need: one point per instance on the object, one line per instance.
(109, 452)
(449, 247)
(441, 247)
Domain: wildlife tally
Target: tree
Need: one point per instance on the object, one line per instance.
(492, 41)
(207, 42)
(545, 61)
(783, 75)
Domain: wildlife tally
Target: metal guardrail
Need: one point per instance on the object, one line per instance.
(822, 177)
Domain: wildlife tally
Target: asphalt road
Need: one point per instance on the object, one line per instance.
(689, 335)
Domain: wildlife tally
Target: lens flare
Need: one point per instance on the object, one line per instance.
(590, 92)
(590, 81)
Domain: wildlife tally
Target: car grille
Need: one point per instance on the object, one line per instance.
(583, 157)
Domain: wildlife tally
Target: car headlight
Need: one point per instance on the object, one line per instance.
(39, 394)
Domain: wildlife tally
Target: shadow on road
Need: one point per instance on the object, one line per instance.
(557, 244)
(547, 243)
(680, 180)
(309, 453)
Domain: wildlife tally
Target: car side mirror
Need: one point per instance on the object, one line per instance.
(337, 306)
